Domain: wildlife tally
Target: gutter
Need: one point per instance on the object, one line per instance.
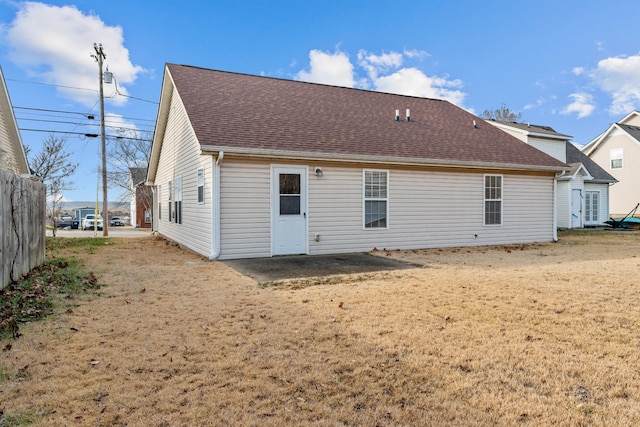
(215, 206)
(351, 158)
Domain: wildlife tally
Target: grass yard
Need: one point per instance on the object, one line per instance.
(531, 335)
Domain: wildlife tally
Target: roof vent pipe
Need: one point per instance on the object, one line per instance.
(397, 115)
(408, 115)
(475, 125)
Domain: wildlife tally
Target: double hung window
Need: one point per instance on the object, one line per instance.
(376, 199)
(493, 200)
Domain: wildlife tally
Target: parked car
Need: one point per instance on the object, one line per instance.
(64, 221)
(116, 221)
(89, 221)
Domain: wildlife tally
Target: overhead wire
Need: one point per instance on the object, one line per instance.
(114, 125)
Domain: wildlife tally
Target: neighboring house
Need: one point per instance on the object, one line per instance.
(617, 150)
(583, 190)
(141, 198)
(12, 154)
(246, 166)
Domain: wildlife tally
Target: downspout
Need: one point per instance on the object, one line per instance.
(215, 207)
(154, 203)
(555, 207)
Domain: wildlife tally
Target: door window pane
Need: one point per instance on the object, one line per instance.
(289, 194)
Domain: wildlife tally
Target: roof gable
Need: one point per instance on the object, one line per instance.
(574, 155)
(531, 130)
(630, 124)
(253, 115)
(633, 131)
(631, 118)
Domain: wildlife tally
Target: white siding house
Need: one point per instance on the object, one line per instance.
(12, 155)
(246, 166)
(582, 198)
(617, 151)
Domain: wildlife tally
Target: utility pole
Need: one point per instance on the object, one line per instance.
(100, 56)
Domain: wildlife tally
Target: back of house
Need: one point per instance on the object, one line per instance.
(248, 166)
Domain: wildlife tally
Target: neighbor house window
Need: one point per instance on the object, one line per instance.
(171, 217)
(201, 185)
(147, 216)
(159, 201)
(178, 199)
(376, 199)
(616, 158)
(493, 200)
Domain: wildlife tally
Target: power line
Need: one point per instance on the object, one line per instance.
(85, 134)
(110, 124)
(88, 135)
(83, 88)
(76, 112)
(51, 84)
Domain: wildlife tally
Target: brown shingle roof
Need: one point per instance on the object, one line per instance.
(252, 114)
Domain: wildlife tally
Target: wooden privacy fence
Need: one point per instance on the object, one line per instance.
(22, 226)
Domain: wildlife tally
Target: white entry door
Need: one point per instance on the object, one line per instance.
(576, 208)
(289, 212)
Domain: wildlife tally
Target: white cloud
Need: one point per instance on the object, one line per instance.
(54, 43)
(582, 104)
(539, 102)
(620, 77)
(415, 53)
(375, 64)
(328, 68)
(578, 71)
(119, 126)
(383, 73)
(413, 82)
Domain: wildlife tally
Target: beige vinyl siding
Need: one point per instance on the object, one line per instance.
(426, 209)
(623, 194)
(245, 209)
(181, 156)
(553, 147)
(7, 156)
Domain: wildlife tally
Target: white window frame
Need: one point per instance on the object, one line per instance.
(200, 189)
(492, 198)
(159, 202)
(177, 188)
(375, 198)
(616, 155)
(592, 215)
(171, 214)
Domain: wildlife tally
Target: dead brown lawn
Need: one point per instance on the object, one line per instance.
(535, 335)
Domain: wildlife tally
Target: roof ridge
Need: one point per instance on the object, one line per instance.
(237, 73)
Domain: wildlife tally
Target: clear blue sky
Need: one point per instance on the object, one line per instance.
(572, 64)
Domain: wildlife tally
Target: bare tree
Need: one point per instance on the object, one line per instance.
(128, 157)
(53, 166)
(502, 114)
